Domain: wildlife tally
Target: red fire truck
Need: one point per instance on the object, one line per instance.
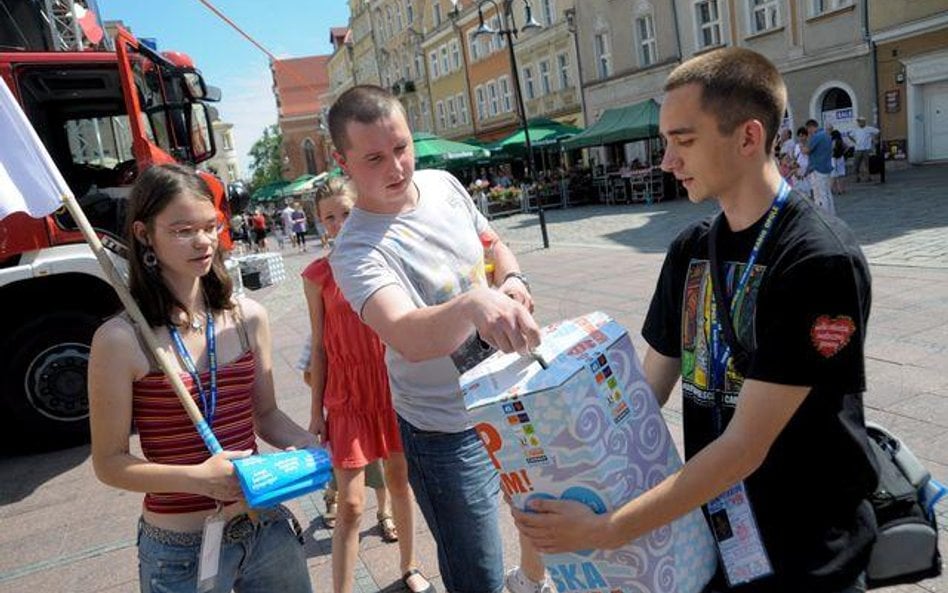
(103, 116)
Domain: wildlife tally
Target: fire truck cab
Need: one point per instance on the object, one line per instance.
(103, 116)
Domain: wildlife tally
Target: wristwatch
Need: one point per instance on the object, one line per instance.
(519, 276)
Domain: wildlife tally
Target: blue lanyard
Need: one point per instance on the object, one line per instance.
(720, 350)
(209, 408)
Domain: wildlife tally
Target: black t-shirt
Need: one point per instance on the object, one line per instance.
(804, 322)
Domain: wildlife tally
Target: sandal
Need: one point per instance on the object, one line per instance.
(412, 572)
(329, 517)
(387, 527)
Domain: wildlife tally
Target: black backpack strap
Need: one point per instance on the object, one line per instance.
(740, 357)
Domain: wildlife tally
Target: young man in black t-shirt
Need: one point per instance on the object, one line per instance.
(776, 445)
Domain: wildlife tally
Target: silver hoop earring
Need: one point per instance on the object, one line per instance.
(149, 258)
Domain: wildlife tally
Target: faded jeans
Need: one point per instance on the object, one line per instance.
(268, 558)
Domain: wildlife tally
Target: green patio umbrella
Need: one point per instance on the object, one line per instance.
(433, 151)
(271, 191)
(543, 132)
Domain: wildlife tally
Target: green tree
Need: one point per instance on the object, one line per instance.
(267, 155)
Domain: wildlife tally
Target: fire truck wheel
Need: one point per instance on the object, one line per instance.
(45, 382)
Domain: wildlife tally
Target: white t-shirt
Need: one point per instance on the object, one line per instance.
(434, 254)
(863, 137)
(286, 217)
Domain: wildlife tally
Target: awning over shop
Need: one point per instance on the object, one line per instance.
(543, 132)
(302, 184)
(271, 191)
(433, 151)
(622, 124)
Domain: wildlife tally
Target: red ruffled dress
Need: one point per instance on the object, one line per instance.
(360, 420)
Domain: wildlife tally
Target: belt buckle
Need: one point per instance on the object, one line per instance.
(238, 528)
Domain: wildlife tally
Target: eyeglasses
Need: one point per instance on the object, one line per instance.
(186, 234)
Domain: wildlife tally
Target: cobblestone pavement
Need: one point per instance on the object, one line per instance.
(901, 222)
(64, 531)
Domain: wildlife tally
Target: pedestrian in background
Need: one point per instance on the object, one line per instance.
(838, 174)
(286, 221)
(222, 349)
(299, 227)
(259, 223)
(819, 150)
(865, 138)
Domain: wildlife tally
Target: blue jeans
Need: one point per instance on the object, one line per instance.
(268, 558)
(458, 491)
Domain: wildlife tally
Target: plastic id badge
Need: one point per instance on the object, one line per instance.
(735, 530)
(210, 561)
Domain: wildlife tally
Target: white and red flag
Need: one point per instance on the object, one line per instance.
(29, 180)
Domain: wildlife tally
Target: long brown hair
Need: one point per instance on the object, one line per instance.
(157, 187)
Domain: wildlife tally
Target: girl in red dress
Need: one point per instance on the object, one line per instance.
(350, 382)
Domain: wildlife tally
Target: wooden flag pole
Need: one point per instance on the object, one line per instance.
(151, 341)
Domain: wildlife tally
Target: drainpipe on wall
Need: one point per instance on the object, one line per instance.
(674, 6)
(874, 61)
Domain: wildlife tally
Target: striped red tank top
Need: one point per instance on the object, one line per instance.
(168, 436)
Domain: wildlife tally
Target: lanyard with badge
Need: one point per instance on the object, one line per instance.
(732, 519)
(209, 564)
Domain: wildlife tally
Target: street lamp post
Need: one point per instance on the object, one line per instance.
(508, 29)
(572, 25)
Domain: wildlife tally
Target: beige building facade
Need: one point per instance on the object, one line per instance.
(911, 52)
(225, 162)
(627, 49)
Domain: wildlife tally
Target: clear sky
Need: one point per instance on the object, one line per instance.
(287, 28)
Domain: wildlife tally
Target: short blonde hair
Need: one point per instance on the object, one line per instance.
(336, 186)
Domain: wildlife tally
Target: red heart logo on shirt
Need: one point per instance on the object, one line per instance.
(831, 334)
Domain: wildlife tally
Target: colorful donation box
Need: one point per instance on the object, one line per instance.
(587, 428)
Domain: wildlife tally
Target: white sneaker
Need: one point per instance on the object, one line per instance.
(518, 582)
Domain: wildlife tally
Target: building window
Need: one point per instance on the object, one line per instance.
(645, 29)
(388, 21)
(455, 56)
(548, 11)
(419, 66)
(436, 13)
(410, 12)
(603, 57)
(505, 98)
(492, 97)
(545, 77)
(398, 17)
(765, 15)
(445, 64)
(528, 82)
(309, 156)
(461, 101)
(452, 112)
(475, 45)
(439, 107)
(708, 22)
(434, 64)
(425, 116)
(231, 172)
(562, 66)
(227, 141)
(481, 103)
(818, 7)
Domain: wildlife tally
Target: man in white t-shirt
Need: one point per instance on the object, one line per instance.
(410, 262)
(286, 221)
(864, 138)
